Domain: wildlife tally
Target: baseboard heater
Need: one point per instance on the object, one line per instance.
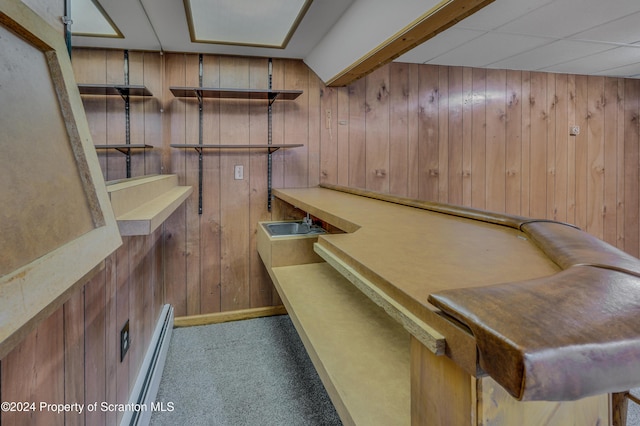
(148, 381)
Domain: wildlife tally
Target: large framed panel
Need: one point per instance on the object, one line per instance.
(56, 222)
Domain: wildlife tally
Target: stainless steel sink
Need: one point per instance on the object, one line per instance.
(280, 229)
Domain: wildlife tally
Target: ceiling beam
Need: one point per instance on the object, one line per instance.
(444, 15)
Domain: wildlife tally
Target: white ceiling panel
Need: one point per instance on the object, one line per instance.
(500, 12)
(488, 48)
(598, 63)
(563, 18)
(624, 30)
(439, 45)
(554, 53)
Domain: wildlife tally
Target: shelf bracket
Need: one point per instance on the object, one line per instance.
(125, 151)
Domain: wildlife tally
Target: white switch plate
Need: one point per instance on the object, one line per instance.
(238, 172)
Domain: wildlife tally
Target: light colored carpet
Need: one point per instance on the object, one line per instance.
(252, 372)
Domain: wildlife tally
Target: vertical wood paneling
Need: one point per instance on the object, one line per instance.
(496, 117)
(561, 139)
(377, 130)
(595, 156)
(152, 79)
(95, 346)
(525, 199)
(261, 287)
(357, 140)
(136, 114)
(74, 383)
(620, 166)
(116, 129)
(296, 124)
(413, 102)
(193, 232)
(552, 101)
(610, 161)
(443, 135)
(455, 131)
(234, 194)
(123, 282)
(398, 129)
(428, 133)
(571, 150)
(313, 142)
(328, 131)
(175, 225)
(112, 334)
(538, 148)
(581, 157)
(513, 146)
(89, 66)
(479, 139)
(342, 117)
(210, 221)
(467, 132)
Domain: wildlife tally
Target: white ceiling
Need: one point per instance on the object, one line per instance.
(600, 37)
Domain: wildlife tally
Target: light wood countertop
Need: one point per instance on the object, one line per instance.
(411, 253)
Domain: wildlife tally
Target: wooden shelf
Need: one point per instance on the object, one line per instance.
(142, 204)
(222, 93)
(124, 148)
(271, 148)
(113, 90)
(360, 353)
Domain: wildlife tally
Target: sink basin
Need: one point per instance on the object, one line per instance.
(280, 229)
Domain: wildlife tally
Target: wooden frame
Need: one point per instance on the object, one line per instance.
(57, 224)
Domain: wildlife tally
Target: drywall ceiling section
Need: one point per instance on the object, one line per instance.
(131, 19)
(362, 28)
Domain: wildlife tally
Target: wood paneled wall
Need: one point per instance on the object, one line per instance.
(74, 355)
(496, 140)
(491, 139)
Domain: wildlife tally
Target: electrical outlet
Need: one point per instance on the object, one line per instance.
(238, 172)
(125, 340)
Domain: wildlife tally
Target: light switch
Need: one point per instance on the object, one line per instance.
(238, 172)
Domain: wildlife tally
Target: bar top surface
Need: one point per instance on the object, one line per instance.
(412, 252)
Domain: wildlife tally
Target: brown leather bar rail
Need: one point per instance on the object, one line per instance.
(563, 337)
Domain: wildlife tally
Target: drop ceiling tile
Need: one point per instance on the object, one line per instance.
(623, 30)
(631, 70)
(499, 12)
(438, 45)
(568, 17)
(551, 54)
(487, 49)
(599, 62)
